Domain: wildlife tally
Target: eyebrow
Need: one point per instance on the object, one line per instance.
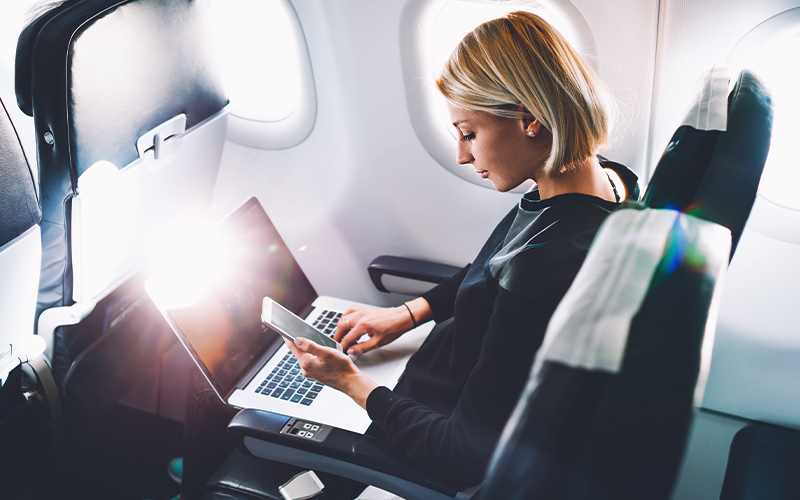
(457, 123)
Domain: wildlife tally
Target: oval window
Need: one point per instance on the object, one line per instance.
(262, 54)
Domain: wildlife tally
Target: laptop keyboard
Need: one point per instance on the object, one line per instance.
(326, 322)
(286, 382)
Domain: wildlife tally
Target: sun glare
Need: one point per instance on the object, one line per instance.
(188, 261)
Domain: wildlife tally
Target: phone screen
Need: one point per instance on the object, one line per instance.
(276, 317)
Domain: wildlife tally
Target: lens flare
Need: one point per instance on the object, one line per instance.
(189, 260)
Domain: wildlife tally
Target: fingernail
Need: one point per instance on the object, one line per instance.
(351, 351)
(298, 341)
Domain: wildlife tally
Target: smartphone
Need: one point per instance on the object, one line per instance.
(284, 322)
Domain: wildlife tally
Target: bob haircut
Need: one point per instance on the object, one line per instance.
(520, 61)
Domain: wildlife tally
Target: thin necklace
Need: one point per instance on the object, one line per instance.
(614, 187)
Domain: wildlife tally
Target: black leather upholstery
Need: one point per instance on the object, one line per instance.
(23, 59)
(19, 206)
(763, 464)
(243, 477)
(103, 72)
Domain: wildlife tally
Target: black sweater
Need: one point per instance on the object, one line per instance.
(457, 392)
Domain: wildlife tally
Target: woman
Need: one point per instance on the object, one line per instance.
(525, 106)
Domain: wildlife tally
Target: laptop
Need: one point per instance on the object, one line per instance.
(248, 365)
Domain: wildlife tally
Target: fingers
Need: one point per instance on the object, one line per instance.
(352, 336)
(303, 349)
(366, 346)
(346, 323)
(293, 348)
(308, 346)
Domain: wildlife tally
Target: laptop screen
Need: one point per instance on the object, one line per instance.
(224, 327)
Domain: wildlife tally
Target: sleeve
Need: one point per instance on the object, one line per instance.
(458, 447)
(442, 297)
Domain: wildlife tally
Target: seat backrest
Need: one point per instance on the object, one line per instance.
(607, 409)
(20, 248)
(129, 128)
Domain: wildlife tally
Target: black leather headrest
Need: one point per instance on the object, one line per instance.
(714, 175)
(19, 207)
(22, 62)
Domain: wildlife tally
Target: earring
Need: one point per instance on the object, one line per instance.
(531, 134)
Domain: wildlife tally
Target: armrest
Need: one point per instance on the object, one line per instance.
(362, 458)
(420, 270)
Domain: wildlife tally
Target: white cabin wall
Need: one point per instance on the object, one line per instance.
(361, 185)
(626, 33)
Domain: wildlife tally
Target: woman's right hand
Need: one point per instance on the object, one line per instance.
(382, 325)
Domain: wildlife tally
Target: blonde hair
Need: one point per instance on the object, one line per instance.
(519, 60)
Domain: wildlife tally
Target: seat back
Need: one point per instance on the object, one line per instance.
(20, 250)
(607, 410)
(130, 123)
(127, 110)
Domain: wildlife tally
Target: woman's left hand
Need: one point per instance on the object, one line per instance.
(332, 368)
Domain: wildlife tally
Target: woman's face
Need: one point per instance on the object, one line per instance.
(507, 151)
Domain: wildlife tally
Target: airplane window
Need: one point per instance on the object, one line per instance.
(770, 50)
(263, 57)
(432, 28)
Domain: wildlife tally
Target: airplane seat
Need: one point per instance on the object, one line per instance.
(23, 422)
(608, 406)
(130, 121)
(762, 464)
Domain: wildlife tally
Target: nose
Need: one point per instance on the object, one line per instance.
(464, 153)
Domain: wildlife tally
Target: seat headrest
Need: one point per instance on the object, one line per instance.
(22, 61)
(728, 188)
(713, 163)
(19, 206)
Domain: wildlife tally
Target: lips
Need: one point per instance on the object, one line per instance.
(483, 173)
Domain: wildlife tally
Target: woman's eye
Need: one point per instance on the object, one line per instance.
(468, 137)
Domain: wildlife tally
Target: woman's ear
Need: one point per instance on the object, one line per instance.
(531, 125)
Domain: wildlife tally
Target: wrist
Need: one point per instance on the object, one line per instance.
(359, 387)
(404, 316)
(420, 309)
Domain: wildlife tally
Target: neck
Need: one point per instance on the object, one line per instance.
(586, 178)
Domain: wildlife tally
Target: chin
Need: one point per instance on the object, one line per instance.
(503, 188)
